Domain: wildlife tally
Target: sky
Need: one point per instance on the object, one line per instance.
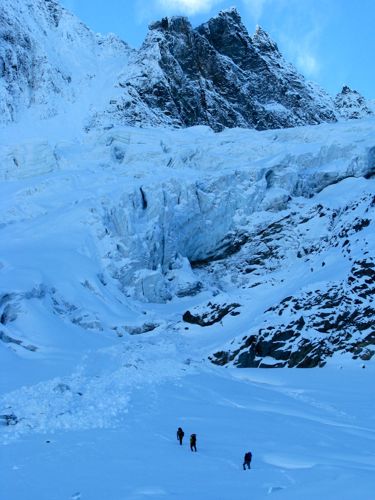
(331, 42)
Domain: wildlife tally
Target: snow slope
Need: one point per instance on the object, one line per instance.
(311, 432)
(52, 64)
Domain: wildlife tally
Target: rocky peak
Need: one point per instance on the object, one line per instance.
(227, 19)
(230, 16)
(347, 90)
(350, 104)
(217, 75)
(228, 35)
(263, 42)
(173, 25)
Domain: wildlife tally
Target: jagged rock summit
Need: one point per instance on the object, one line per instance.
(217, 75)
(351, 104)
(220, 76)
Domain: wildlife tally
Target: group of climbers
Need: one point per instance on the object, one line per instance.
(193, 439)
(193, 446)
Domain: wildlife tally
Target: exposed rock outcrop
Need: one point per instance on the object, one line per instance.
(350, 104)
(212, 313)
(335, 316)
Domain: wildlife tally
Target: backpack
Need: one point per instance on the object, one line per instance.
(248, 456)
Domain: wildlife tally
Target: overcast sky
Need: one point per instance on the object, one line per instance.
(330, 41)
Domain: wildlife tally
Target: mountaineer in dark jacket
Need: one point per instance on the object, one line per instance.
(193, 442)
(247, 460)
(180, 434)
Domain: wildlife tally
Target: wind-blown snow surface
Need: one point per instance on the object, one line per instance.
(311, 433)
(108, 240)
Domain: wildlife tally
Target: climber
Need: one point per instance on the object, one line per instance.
(247, 460)
(193, 442)
(180, 434)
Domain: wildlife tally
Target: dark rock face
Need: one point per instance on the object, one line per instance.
(306, 329)
(350, 104)
(10, 340)
(343, 322)
(212, 314)
(218, 75)
(9, 419)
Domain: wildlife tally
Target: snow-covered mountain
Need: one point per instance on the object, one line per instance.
(215, 74)
(210, 223)
(351, 104)
(184, 222)
(51, 63)
(144, 261)
(218, 75)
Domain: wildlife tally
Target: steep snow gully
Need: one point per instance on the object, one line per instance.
(146, 271)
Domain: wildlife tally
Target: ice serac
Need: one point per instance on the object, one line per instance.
(270, 233)
(217, 75)
(350, 104)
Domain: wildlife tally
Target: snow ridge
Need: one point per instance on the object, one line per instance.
(51, 62)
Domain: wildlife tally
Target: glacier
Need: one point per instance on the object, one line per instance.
(110, 239)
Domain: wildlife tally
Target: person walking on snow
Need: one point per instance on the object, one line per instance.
(193, 442)
(247, 460)
(180, 434)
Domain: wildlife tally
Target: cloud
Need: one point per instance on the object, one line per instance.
(308, 63)
(189, 7)
(303, 49)
(299, 27)
(255, 8)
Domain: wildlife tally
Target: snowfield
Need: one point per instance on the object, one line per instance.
(311, 432)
